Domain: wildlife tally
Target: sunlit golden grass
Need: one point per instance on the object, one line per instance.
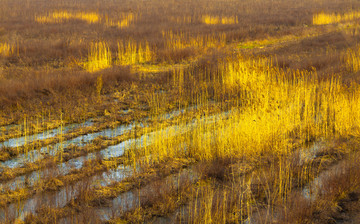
(131, 52)
(99, 57)
(274, 109)
(181, 20)
(323, 18)
(89, 17)
(213, 20)
(352, 59)
(271, 41)
(251, 114)
(63, 16)
(126, 20)
(158, 68)
(276, 113)
(175, 41)
(6, 49)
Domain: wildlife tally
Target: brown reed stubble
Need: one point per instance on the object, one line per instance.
(274, 22)
(42, 44)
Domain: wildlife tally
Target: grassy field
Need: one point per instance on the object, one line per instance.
(179, 111)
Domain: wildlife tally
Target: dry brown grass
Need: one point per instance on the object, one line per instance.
(44, 51)
(175, 54)
(47, 85)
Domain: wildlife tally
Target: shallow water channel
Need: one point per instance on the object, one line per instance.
(61, 197)
(130, 199)
(20, 141)
(35, 155)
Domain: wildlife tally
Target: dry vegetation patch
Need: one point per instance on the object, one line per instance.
(243, 111)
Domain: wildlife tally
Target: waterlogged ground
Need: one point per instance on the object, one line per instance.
(202, 112)
(17, 142)
(61, 197)
(52, 150)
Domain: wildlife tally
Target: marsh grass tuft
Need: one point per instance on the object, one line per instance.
(64, 16)
(99, 57)
(323, 18)
(214, 20)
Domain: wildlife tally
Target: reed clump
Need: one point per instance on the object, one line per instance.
(99, 57)
(175, 41)
(6, 49)
(214, 20)
(323, 18)
(64, 16)
(125, 21)
(352, 59)
(182, 19)
(131, 53)
(272, 109)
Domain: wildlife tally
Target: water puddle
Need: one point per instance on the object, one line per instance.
(130, 199)
(107, 153)
(52, 150)
(308, 154)
(20, 141)
(36, 155)
(77, 163)
(61, 197)
(314, 188)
